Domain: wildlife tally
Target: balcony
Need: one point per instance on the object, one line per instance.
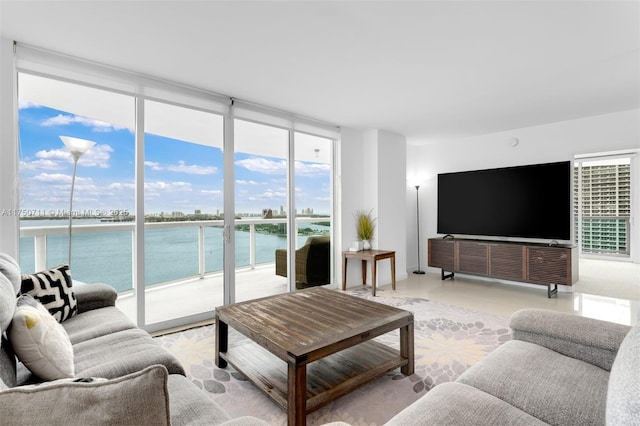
(184, 260)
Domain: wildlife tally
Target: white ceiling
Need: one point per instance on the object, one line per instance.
(428, 70)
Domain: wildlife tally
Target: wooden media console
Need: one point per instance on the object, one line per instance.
(534, 263)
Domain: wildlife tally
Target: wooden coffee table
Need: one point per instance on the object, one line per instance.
(307, 348)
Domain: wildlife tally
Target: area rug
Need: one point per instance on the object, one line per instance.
(448, 340)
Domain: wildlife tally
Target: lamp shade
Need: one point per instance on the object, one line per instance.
(77, 146)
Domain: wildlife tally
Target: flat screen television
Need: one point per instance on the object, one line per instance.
(533, 201)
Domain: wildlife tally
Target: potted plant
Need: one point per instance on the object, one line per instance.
(365, 225)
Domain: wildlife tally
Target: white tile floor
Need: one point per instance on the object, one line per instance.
(613, 278)
(608, 290)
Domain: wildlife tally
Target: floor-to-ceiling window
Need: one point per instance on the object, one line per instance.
(149, 211)
(103, 192)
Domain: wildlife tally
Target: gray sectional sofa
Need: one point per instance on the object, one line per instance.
(122, 376)
(558, 369)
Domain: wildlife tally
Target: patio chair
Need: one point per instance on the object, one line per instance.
(313, 265)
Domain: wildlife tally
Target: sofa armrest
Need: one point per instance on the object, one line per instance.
(587, 339)
(94, 296)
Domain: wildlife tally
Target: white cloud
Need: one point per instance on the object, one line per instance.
(247, 182)
(53, 178)
(192, 169)
(54, 159)
(269, 195)
(262, 165)
(182, 167)
(98, 156)
(65, 120)
(43, 164)
(167, 186)
(24, 104)
(117, 186)
(211, 192)
(312, 169)
(55, 154)
(154, 165)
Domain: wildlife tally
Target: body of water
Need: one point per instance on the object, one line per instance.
(170, 253)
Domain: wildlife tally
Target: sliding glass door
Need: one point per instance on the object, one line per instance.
(313, 189)
(260, 223)
(183, 201)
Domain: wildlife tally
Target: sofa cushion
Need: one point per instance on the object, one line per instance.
(54, 289)
(7, 357)
(121, 353)
(96, 323)
(9, 288)
(11, 270)
(39, 341)
(457, 404)
(138, 399)
(553, 387)
(623, 398)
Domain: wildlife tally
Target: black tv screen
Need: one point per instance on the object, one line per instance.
(531, 201)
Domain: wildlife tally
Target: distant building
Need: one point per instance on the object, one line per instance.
(606, 207)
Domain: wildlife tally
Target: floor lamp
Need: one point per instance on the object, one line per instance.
(77, 147)
(418, 271)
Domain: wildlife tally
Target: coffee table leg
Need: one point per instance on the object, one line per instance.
(344, 273)
(364, 272)
(222, 342)
(406, 349)
(297, 394)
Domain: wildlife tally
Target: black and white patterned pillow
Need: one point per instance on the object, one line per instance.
(53, 288)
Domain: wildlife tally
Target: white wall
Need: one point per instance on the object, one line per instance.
(373, 176)
(392, 207)
(351, 197)
(539, 144)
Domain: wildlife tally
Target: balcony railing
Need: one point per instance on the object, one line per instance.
(104, 252)
(605, 235)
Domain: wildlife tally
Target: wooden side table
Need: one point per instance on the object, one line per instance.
(373, 256)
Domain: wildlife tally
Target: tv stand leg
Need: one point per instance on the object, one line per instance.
(553, 292)
(445, 276)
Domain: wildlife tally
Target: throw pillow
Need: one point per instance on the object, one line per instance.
(53, 288)
(39, 341)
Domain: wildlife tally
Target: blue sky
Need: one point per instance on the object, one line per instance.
(179, 176)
